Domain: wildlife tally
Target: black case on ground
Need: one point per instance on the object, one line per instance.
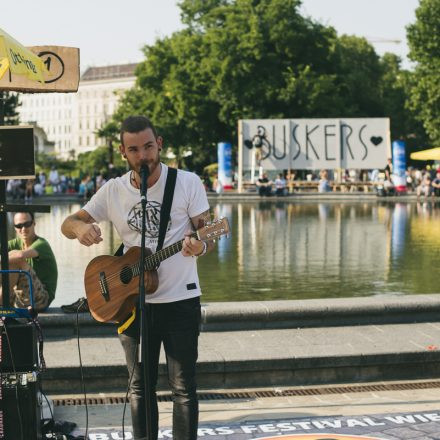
(22, 344)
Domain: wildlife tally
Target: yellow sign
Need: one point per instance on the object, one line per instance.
(431, 154)
(61, 75)
(19, 60)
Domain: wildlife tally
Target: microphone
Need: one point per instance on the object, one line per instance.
(145, 172)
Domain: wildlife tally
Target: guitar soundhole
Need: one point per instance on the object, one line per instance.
(126, 275)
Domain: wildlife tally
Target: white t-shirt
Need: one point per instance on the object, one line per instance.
(118, 201)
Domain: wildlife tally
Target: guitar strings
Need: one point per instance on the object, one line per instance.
(153, 260)
(150, 262)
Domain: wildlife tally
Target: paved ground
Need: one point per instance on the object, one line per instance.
(276, 344)
(408, 414)
(265, 357)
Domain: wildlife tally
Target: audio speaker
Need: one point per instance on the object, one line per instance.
(18, 347)
(20, 413)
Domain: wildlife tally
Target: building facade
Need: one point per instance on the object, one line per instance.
(71, 120)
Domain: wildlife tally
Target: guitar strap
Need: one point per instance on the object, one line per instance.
(166, 206)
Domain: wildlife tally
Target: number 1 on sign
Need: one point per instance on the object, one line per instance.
(47, 62)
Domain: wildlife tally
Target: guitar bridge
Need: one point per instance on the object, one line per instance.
(104, 288)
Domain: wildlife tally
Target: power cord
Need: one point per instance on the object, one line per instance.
(128, 390)
(83, 385)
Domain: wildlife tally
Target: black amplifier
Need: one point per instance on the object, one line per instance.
(20, 407)
(18, 347)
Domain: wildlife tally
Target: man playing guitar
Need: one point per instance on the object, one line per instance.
(175, 305)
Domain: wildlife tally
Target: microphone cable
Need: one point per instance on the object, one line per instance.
(52, 419)
(83, 387)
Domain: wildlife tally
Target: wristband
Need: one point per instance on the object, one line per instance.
(205, 247)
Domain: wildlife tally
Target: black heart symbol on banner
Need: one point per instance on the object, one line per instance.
(248, 143)
(376, 140)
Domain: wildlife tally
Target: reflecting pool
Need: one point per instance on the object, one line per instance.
(285, 250)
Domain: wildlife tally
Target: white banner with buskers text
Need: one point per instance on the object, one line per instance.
(279, 144)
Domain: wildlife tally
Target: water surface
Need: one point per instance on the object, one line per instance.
(291, 250)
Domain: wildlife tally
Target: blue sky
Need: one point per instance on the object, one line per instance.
(113, 32)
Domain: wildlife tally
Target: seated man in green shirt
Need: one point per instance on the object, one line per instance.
(33, 254)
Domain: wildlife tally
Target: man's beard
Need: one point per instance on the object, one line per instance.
(152, 165)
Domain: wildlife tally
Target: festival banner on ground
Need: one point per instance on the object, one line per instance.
(279, 144)
(406, 426)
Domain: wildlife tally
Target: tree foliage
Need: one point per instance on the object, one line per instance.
(424, 44)
(239, 59)
(96, 161)
(10, 104)
(44, 162)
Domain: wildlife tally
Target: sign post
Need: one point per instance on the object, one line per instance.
(399, 166)
(224, 155)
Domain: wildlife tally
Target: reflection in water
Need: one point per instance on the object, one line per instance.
(323, 250)
(398, 231)
(290, 251)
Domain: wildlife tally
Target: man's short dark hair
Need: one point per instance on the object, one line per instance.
(30, 213)
(136, 124)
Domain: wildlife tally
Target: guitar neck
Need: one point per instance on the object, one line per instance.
(152, 261)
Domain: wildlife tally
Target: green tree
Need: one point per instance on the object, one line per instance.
(10, 104)
(395, 91)
(359, 72)
(46, 161)
(109, 132)
(240, 59)
(424, 43)
(96, 161)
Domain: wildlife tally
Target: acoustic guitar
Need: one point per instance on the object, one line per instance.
(112, 283)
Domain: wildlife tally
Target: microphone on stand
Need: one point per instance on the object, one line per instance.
(145, 172)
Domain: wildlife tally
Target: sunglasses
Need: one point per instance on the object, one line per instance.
(24, 225)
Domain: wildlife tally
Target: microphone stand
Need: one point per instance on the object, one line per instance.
(143, 307)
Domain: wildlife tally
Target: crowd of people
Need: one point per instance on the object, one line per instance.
(423, 182)
(54, 183)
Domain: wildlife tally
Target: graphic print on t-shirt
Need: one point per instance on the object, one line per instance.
(152, 219)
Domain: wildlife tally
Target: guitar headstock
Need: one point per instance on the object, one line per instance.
(214, 229)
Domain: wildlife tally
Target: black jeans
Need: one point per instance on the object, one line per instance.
(177, 325)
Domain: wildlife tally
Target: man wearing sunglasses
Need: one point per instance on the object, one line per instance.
(33, 254)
